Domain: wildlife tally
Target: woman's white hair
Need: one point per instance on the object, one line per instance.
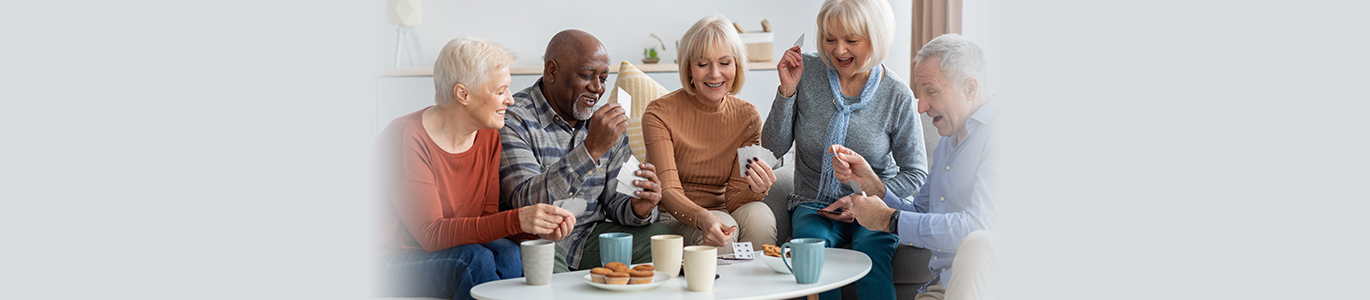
(961, 59)
(871, 19)
(702, 39)
(466, 60)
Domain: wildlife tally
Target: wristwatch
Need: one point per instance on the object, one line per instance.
(894, 222)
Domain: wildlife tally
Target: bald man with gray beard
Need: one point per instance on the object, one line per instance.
(559, 150)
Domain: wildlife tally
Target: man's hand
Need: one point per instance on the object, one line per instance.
(791, 68)
(646, 200)
(606, 126)
(871, 212)
(845, 216)
(546, 221)
(848, 165)
(715, 233)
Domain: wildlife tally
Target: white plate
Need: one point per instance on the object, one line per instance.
(656, 281)
(775, 263)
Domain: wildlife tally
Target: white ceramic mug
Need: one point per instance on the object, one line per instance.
(538, 257)
(667, 251)
(701, 264)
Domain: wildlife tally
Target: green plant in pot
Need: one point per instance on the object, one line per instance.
(650, 49)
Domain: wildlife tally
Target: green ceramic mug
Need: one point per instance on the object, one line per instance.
(807, 255)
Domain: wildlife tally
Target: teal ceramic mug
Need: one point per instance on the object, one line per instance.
(807, 257)
(616, 246)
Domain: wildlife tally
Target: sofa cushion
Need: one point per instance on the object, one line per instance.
(644, 90)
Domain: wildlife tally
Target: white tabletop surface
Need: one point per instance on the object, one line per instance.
(741, 280)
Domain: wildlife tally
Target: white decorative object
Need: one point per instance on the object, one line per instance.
(406, 14)
(758, 45)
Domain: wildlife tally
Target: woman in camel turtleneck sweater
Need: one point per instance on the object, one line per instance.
(692, 136)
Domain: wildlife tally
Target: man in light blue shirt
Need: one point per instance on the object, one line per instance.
(957, 200)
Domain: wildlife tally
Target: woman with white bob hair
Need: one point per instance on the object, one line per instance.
(441, 229)
(842, 95)
(692, 136)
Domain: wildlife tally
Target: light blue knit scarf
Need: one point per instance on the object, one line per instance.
(829, 189)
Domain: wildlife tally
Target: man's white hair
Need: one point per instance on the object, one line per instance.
(466, 60)
(961, 59)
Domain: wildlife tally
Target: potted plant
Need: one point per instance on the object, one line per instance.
(650, 50)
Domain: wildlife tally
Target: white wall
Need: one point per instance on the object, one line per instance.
(621, 25)
(980, 25)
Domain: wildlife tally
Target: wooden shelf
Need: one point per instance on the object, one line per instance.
(537, 70)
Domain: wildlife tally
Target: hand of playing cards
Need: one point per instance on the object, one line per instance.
(626, 175)
(755, 151)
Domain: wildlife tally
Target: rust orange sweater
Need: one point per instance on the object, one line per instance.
(694, 148)
(437, 199)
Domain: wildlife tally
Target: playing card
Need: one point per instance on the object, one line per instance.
(754, 151)
(800, 41)
(626, 175)
(855, 187)
(625, 100)
(742, 250)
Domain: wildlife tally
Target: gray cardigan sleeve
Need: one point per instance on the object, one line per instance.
(906, 145)
(777, 134)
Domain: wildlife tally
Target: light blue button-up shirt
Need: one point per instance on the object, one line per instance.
(958, 196)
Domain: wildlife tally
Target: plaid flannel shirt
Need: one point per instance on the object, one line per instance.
(545, 161)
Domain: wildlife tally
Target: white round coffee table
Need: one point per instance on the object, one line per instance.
(742, 280)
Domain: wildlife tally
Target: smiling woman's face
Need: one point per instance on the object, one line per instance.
(489, 101)
(847, 51)
(713, 76)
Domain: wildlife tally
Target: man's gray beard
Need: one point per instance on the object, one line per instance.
(583, 113)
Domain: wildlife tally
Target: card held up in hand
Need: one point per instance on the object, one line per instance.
(625, 100)
(800, 41)
(626, 175)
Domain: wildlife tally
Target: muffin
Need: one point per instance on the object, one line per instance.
(616, 266)
(644, 267)
(619, 278)
(640, 277)
(597, 274)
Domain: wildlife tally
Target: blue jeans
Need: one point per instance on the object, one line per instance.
(450, 273)
(878, 245)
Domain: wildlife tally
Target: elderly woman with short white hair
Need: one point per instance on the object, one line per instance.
(842, 95)
(441, 229)
(692, 136)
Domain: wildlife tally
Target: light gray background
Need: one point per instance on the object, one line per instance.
(1177, 149)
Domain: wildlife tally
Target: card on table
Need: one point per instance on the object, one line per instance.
(626, 175)
(743, 250)
(754, 151)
